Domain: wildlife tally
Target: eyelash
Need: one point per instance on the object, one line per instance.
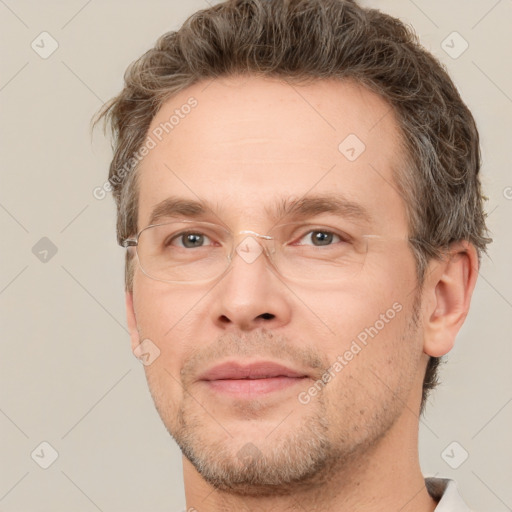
(343, 238)
(180, 236)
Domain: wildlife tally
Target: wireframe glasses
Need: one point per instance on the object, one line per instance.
(192, 251)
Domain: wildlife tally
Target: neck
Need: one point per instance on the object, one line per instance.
(386, 477)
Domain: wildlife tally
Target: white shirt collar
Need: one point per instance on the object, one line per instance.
(446, 492)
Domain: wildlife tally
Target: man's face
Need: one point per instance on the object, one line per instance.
(247, 147)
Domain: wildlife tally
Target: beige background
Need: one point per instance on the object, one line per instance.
(67, 374)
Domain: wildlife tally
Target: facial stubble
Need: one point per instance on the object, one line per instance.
(281, 460)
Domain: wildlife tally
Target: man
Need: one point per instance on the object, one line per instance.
(297, 187)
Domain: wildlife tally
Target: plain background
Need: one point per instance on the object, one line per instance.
(67, 373)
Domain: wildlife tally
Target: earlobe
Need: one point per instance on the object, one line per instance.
(447, 295)
(131, 320)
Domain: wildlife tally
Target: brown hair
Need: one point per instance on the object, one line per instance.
(304, 40)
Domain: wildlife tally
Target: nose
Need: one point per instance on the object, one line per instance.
(251, 295)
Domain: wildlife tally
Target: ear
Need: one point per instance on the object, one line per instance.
(131, 320)
(447, 291)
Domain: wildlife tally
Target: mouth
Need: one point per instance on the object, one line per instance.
(248, 380)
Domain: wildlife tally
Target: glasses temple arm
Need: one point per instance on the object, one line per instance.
(129, 242)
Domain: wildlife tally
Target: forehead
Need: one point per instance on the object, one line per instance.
(245, 143)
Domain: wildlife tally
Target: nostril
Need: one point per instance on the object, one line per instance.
(267, 316)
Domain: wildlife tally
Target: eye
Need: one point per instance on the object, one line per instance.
(320, 238)
(190, 240)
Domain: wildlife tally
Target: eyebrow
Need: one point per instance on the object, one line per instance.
(178, 207)
(312, 205)
(307, 206)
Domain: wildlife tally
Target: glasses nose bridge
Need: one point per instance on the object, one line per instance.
(254, 234)
(262, 240)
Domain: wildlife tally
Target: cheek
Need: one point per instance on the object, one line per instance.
(161, 314)
(341, 313)
(375, 369)
(165, 316)
(365, 323)
(162, 310)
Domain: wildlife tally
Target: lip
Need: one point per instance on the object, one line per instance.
(247, 380)
(234, 370)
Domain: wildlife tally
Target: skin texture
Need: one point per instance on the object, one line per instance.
(248, 144)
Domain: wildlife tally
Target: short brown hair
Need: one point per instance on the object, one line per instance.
(304, 40)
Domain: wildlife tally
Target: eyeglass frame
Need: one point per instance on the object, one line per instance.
(127, 243)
